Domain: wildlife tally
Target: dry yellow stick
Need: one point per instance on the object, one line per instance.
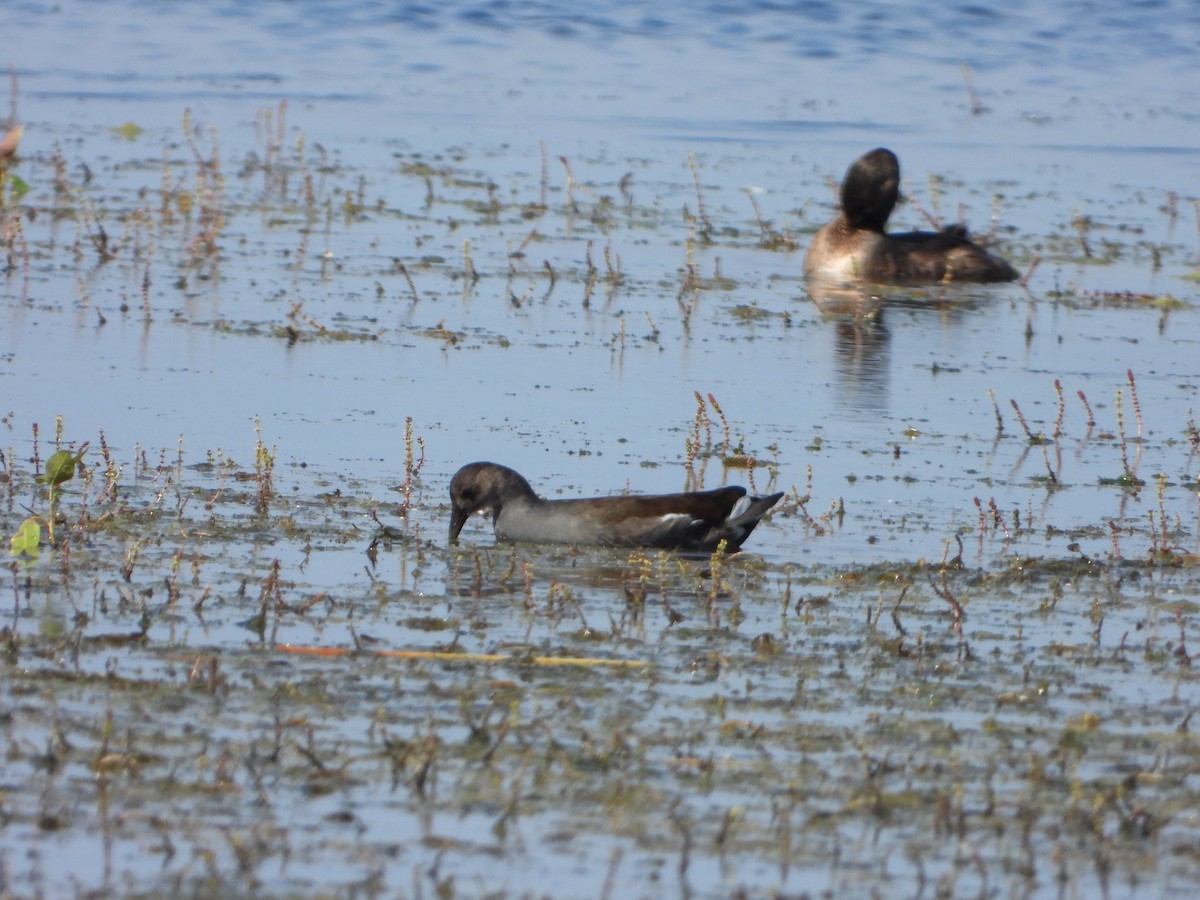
(462, 657)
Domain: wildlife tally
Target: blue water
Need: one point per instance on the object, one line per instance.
(1075, 94)
(722, 71)
(1088, 109)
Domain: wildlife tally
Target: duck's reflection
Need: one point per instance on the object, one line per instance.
(862, 340)
(861, 363)
(860, 343)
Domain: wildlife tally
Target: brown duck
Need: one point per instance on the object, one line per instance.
(855, 248)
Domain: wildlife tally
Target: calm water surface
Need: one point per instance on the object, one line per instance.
(1087, 135)
(1080, 121)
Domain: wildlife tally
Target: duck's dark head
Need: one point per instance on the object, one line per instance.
(870, 189)
(483, 485)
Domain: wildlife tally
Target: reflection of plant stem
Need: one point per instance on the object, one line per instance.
(763, 225)
(50, 515)
(1091, 422)
(614, 268)
(545, 182)
(14, 237)
(1181, 651)
(412, 287)
(1196, 209)
(570, 201)
(706, 228)
(943, 590)
(1024, 424)
(977, 107)
(1062, 409)
(1033, 264)
(1133, 398)
(1082, 223)
(996, 410)
(453, 656)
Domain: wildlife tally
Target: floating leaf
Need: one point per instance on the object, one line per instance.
(27, 538)
(129, 131)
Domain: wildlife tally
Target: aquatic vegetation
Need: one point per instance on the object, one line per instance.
(27, 538)
(950, 635)
(596, 693)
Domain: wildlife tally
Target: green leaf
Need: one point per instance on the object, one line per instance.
(60, 466)
(19, 187)
(27, 538)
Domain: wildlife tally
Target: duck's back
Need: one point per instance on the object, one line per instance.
(934, 256)
(839, 252)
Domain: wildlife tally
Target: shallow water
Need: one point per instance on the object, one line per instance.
(520, 140)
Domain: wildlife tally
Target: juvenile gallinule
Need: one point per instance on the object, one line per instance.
(697, 521)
